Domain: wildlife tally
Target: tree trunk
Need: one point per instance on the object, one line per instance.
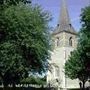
(80, 85)
(13, 87)
(5, 87)
(83, 85)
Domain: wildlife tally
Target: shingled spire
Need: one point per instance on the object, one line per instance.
(64, 23)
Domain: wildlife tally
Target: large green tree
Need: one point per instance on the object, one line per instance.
(24, 41)
(78, 65)
(84, 40)
(75, 67)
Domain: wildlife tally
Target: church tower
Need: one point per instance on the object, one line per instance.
(64, 39)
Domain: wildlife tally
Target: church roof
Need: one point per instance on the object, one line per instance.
(64, 23)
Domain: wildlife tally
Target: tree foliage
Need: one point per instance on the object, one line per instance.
(75, 67)
(24, 41)
(84, 41)
(11, 2)
(78, 65)
(34, 80)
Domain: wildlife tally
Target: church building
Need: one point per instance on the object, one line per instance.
(64, 39)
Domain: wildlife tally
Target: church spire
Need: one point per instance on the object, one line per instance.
(64, 23)
(64, 16)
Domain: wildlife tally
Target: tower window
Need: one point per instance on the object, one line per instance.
(58, 41)
(70, 41)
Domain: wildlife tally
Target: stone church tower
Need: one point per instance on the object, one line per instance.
(64, 40)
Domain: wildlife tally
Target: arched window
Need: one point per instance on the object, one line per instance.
(58, 41)
(70, 41)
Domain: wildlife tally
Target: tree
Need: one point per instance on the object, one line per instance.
(24, 42)
(84, 41)
(78, 64)
(75, 67)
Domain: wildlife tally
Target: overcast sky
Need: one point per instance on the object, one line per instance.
(74, 9)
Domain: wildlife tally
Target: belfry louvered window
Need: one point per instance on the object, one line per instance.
(70, 41)
(58, 41)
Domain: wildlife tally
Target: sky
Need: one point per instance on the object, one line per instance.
(74, 9)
